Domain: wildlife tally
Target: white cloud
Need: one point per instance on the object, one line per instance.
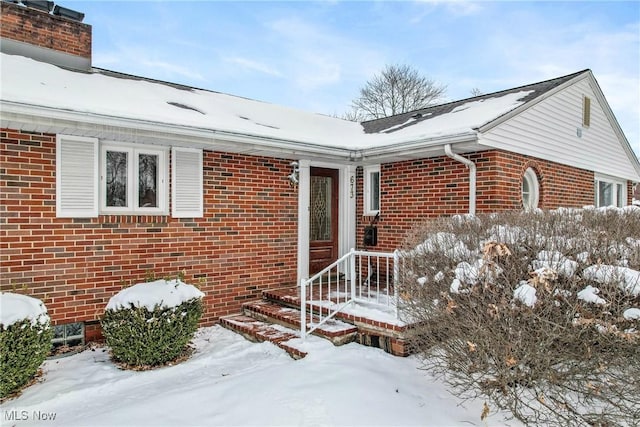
(170, 69)
(452, 7)
(142, 61)
(253, 65)
(318, 56)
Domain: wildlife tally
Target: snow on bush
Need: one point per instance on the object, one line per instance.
(17, 307)
(526, 294)
(632, 314)
(555, 261)
(150, 324)
(590, 294)
(159, 293)
(25, 340)
(446, 243)
(626, 278)
(538, 313)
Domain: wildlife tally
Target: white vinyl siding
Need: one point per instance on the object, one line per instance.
(553, 130)
(186, 183)
(76, 177)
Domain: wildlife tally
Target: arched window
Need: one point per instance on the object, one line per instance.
(530, 189)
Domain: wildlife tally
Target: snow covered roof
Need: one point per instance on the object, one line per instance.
(41, 97)
(433, 113)
(104, 94)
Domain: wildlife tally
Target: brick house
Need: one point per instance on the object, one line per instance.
(107, 178)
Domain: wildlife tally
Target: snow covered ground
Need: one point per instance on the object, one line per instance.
(230, 381)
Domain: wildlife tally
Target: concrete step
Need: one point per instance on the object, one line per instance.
(336, 331)
(258, 331)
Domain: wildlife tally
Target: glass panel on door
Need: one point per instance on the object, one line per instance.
(320, 222)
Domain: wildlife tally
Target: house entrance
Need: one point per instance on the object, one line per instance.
(323, 219)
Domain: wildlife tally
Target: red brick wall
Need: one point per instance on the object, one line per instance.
(42, 29)
(500, 182)
(415, 190)
(246, 241)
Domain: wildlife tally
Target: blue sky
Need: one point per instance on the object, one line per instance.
(316, 55)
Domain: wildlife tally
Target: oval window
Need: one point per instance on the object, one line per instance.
(530, 189)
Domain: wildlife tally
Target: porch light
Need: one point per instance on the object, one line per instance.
(68, 13)
(294, 175)
(39, 4)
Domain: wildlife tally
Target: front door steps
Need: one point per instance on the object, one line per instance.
(276, 318)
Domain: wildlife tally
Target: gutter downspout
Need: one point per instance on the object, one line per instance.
(472, 176)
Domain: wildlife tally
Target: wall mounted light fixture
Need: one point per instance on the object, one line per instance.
(294, 175)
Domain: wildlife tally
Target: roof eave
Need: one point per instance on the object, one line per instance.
(418, 148)
(50, 120)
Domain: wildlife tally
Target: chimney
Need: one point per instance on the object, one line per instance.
(30, 29)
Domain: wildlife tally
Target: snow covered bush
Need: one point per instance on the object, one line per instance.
(151, 323)
(540, 311)
(25, 340)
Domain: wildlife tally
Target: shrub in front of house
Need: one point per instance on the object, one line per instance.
(25, 340)
(151, 324)
(538, 312)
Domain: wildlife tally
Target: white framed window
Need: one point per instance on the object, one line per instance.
(96, 177)
(133, 179)
(530, 189)
(371, 190)
(609, 191)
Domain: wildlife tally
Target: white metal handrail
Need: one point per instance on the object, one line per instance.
(357, 276)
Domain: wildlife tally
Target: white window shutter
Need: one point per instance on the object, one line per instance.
(76, 177)
(186, 183)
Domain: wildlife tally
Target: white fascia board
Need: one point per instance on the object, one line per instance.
(415, 149)
(51, 120)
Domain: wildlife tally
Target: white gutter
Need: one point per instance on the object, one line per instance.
(472, 176)
(412, 146)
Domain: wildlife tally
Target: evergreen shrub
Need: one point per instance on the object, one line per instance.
(139, 336)
(24, 345)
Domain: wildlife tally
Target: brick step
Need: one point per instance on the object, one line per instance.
(370, 332)
(258, 331)
(336, 331)
(288, 297)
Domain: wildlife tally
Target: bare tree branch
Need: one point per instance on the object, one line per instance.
(397, 89)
